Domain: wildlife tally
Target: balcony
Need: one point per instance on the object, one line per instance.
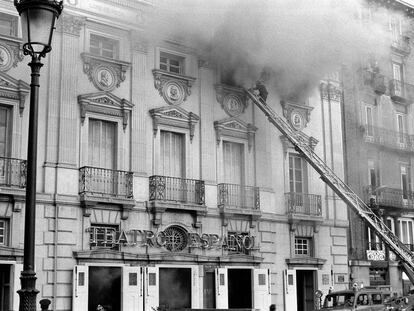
(401, 92)
(100, 185)
(239, 200)
(303, 206)
(12, 173)
(388, 138)
(374, 80)
(402, 45)
(176, 194)
(392, 199)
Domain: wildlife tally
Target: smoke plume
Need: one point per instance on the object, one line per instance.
(294, 42)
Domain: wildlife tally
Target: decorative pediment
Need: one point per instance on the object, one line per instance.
(232, 99)
(311, 141)
(174, 116)
(105, 73)
(105, 103)
(233, 127)
(174, 88)
(297, 115)
(11, 88)
(10, 53)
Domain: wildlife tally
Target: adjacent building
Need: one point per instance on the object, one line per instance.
(378, 117)
(159, 185)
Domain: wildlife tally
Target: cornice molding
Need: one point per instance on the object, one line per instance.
(107, 104)
(11, 88)
(174, 116)
(233, 127)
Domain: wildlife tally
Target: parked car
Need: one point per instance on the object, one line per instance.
(362, 299)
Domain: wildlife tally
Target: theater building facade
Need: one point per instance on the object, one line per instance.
(159, 185)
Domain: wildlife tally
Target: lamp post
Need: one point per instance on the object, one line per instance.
(38, 22)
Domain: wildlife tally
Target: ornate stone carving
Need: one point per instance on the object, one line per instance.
(105, 73)
(236, 128)
(10, 53)
(70, 24)
(311, 141)
(232, 99)
(331, 91)
(297, 115)
(174, 116)
(173, 88)
(11, 88)
(107, 104)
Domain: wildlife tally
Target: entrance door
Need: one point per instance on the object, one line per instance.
(175, 288)
(305, 290)
(209, 298)
(240, 288)
(222, 301)
(132, 291)
(290, 290)
(261, 289)
(105, 288)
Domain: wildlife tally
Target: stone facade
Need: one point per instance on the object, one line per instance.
(139, 223)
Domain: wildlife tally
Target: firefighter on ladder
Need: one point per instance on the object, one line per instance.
(260, 90)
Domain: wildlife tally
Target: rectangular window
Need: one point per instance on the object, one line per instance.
(406, 232)
(395, 25)
(397, 71)
(172, 154)
(103, 236)
(102, 144)
(233, 161)
(405, 173)
(369, 120)
(372, 174)
(5, 131)
(8, 25)
(172, 63)
(303, 246)
(4, 232)
(103, 46)
(297, 174)
(401, 128)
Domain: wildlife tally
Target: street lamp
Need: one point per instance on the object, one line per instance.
(38, 19)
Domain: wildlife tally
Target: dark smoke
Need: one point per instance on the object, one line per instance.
(297, 41)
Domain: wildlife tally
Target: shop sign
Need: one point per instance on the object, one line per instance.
(150, 238)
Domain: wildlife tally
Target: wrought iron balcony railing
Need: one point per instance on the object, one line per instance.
(392, 197)
(400, 91)
(304, 204)
(13, 172)
(375, 80)
(376, 246)
(183, 190)
(238, 196)
(103, 182)
(388, 138)
(402, 44)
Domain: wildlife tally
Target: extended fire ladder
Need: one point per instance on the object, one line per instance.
(339, 187)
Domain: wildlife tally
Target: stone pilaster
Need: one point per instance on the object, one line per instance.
(70, 27)
(140, 83)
